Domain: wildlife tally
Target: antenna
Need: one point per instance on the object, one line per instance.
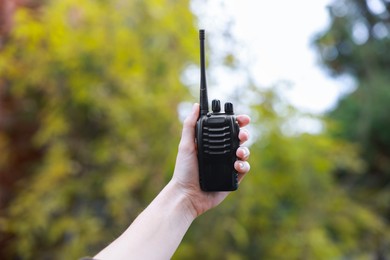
(203, 99)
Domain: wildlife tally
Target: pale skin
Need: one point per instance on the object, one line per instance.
(158, 230)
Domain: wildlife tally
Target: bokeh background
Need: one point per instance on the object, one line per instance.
(91, 97)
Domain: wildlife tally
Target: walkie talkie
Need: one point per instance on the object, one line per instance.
(217, 138)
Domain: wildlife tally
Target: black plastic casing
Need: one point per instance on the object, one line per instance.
(217, 140)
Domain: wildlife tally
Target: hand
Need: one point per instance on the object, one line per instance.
(186, 174)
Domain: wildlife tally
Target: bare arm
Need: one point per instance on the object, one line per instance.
(158, 230)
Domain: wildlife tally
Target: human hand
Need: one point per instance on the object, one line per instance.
(186, 175)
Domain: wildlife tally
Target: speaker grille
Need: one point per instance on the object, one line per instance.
(217, 140)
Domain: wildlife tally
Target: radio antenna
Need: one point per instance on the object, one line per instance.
(203, 99)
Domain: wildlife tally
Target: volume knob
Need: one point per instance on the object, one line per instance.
(228, 108)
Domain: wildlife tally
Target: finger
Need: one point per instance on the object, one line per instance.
(243, 153)
(242, 169)
(243, 135)
(243, 120)
(242, 166)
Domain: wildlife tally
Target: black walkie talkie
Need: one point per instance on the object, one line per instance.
(217, 138)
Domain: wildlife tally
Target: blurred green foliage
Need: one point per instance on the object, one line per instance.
(356, 44)
(100, 82)
(90, 133)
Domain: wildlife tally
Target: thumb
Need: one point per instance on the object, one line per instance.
(188, 134)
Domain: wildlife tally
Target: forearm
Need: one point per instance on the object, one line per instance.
(157, 231)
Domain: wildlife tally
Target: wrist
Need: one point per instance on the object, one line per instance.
(185, 202)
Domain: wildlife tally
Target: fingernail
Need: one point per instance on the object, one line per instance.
(194, 106)
(245, 150)
(241, 165)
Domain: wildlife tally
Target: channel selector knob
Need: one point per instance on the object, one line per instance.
(216, 106)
